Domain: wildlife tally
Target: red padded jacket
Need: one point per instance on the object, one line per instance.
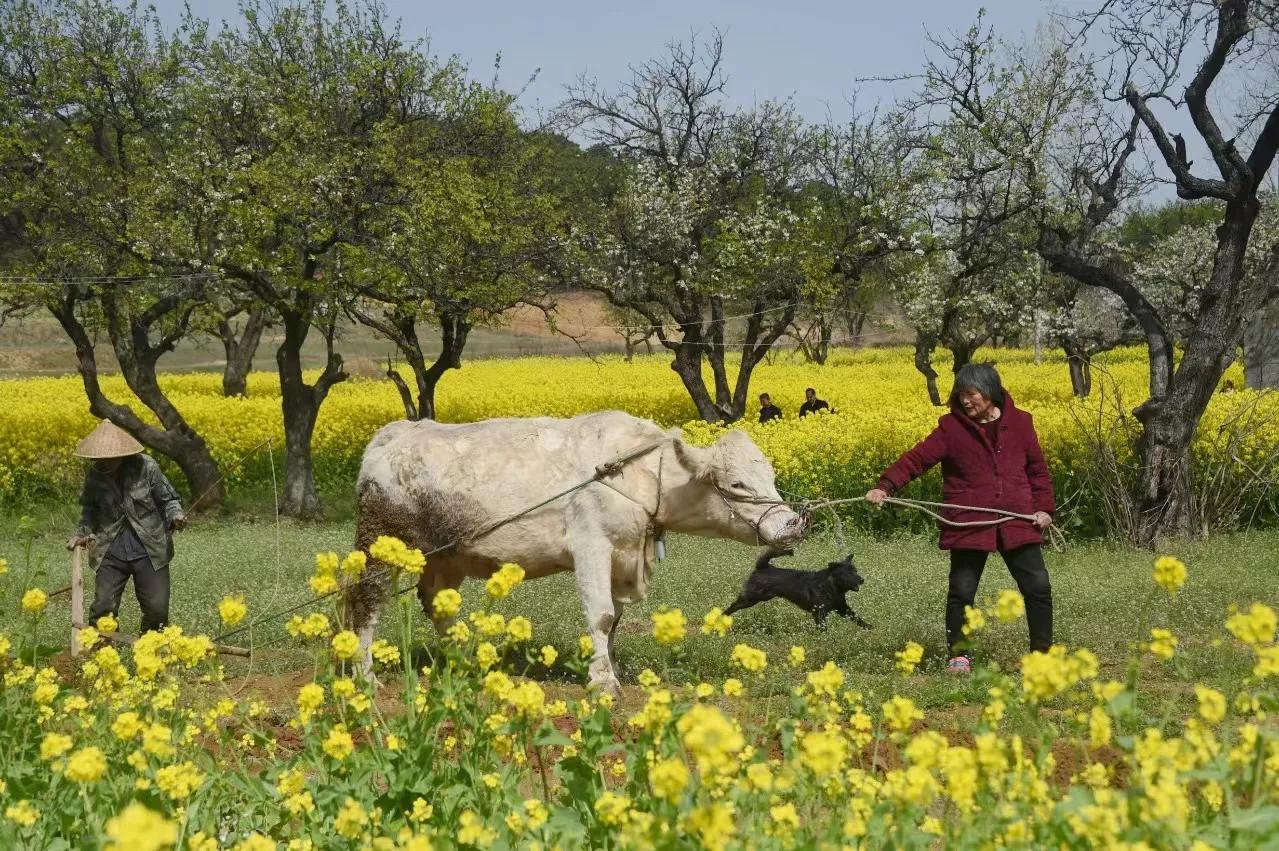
(1010, 474)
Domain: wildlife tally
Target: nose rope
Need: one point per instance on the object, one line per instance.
(756, 525)
(805, 507)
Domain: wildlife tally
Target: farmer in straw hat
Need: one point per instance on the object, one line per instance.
(130, 512)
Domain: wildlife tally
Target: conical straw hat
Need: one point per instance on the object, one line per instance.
(108, 440)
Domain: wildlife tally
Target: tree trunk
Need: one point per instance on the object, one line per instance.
(715, 356)
(1158, 341)
(406, 395)
(300, 403)
(176, 440)
(822, 352)
(454, 329)
(1080, 372)
(961, 354)
(1261, 348)
(1165, 489)
(856, 321)
(758, 342)
(240, 350)
(688, 366)
(924, 346)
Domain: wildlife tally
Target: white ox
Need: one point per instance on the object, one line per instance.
(433, 485)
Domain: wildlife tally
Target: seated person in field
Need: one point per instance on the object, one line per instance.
(812, 404)
(767, 410)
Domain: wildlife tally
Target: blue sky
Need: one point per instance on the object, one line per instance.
(811, 51)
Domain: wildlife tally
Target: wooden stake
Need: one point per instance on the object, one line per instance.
(121, 638)
(77, 599)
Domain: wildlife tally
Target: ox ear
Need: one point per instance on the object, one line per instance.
(695, 459)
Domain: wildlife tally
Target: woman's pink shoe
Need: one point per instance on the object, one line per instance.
(960, 665)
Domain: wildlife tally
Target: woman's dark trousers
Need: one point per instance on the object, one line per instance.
(1026, 564)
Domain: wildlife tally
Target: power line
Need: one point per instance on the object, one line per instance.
(115, 280)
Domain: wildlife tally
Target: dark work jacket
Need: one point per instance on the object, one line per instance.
(812, 408)
(1010, 474)
(142, 498)
(772, 412)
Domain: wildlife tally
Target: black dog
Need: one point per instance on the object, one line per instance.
(818, 591)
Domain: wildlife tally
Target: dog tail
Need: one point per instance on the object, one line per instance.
(768, 555)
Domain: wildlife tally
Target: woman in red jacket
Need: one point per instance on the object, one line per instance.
(990, 458)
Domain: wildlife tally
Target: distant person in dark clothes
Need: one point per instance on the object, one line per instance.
(812, 404)
(767, 410)
(990, 458)
(129, 514)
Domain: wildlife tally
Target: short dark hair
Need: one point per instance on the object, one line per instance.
(764, 396)
(981, 377)
(810, 390)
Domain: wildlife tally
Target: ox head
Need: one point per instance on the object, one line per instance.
(732, 493)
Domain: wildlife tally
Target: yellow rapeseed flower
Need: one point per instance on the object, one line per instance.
(1256, 627)
(1162, 643)
(339, 744)
(345, 644)
(612, 809)
(900, 713)
(54, 745)
(179, 781)
(712, 824)
(669, 778)
(395, 553)
(351, 819)
(33, 601)
(355, 563)
(505, 580)
(472, 831)
(717, 623)
(710, 736)
(749, 658)
(486, 655)
(200, 841)
(974, 620)
(1009, 606)
(1212, 704)
(909, 657)
(310, 697)
(23, 813)
(669, 626)
(823, 753)
(385, 653)
(447, 603)
(519, 629)
(1169, 574)
(86, 765)
(232, 609)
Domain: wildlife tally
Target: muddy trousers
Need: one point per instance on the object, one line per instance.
(151, 587)
(1026, 564)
